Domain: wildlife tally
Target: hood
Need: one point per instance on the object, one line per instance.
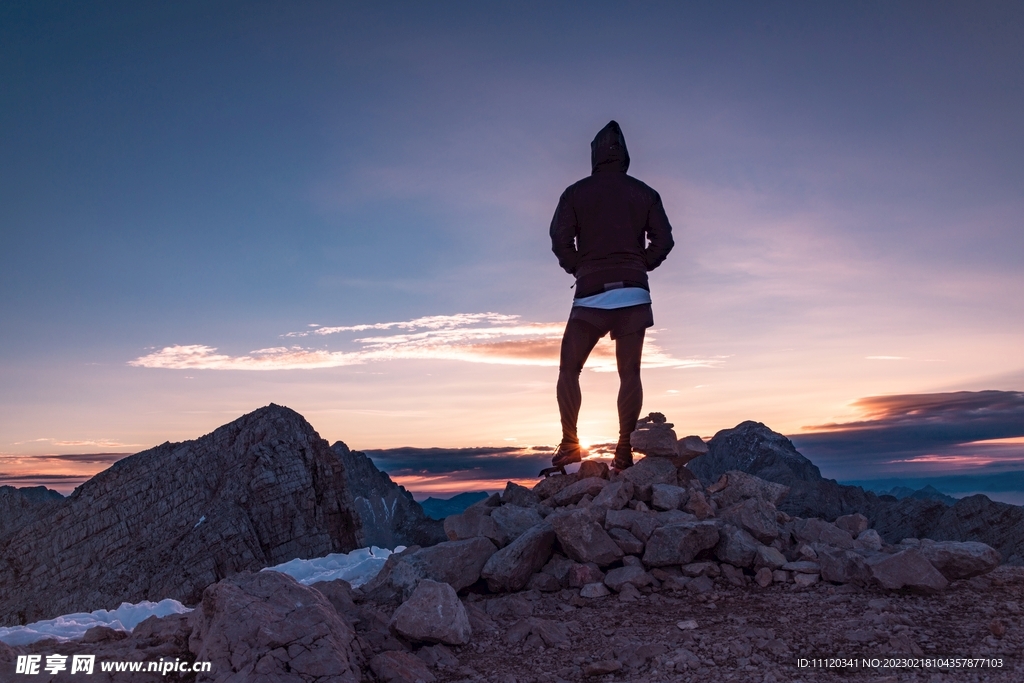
(608, 150)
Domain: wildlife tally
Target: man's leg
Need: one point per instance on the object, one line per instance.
(628, 349)
(578, 341)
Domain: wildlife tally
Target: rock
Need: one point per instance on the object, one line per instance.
(763, 577)
(674, 517)
(754, 449)
(550, 633)
(605, 666)
(853, 524)
(654, 439)
(735, 546)
(679, 543)
(515, 494)
(615, 495)
(700, 585)
(906, 569)
(339, 593)
(818, 531)
(269, 624)
(474, 522)
(668, 497)
(433, 614)
(632, 561)
(648, 472)
(695, 569)
(400, 667)
(592, 468)
(510, 568)
(485, 506)
(545, 583)
(629, 593)
(781, 576)
(636, 576)
(267, 488)
(690, 447)
(843, 566)
(582, 574)
(699, 506)
(572, 493)
(583, 539)
(549, 486)
(733, 575)
(869, 540)
(769, 557)
(754, 515)
(802, 567)
(643, 527)
(805, 580)
(623, 519)
(735, 486)
(457, 563)
(594, 590)
(961, 560)
(630, 544)
(513, 521)
(437, 657)
(558, 566)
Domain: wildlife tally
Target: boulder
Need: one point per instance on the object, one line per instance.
(549, 486)
(583, 539)
(457, 563)
(734, 486)
(654, 438)
(763, 577)
(906, 569)
(733, 575)
(802, 567)
(396, 666)
(593, 468)
(594, 590)
(545, 583)
(573, 493)
(510, 568)
(617, 578)
(735, 546)
(643, 527)
(690, 447)
(614, 496)
(817, 531)
(767, 556)
(695, 569)
(679, 543)
(474, 522)
(515, 494)
(869, 540)
(269, 626)
(583, 574)
(805, 580)
(558, 566)
(853, 524)
(697, 504)
(630, 544)
(648, 472)
(961, 560)
(433, 614)
(512, 520)
(843, 566)
(755, 515)
(623, 519)
(668, 497)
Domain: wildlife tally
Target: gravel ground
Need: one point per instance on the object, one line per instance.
(745, 634)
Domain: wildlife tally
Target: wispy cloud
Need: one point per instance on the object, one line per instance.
(96, 443)
(493, 338)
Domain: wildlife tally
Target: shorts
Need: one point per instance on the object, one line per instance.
(618, 321)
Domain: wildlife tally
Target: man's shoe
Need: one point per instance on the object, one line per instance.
(623, 457)
(566, 454)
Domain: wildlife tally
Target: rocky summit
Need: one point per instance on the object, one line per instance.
(170, 521)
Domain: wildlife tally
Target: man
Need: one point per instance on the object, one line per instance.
(600, 235)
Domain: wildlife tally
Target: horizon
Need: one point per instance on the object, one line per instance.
(345, 211)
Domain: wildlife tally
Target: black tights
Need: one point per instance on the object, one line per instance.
(577, 343)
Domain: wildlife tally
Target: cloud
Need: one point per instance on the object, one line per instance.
(921, 433)
(492, 338)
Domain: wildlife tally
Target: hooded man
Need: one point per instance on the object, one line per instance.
(609, 231)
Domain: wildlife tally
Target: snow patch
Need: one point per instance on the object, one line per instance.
(73, 626)
(356, 567)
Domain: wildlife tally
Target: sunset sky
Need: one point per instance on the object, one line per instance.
(206, 207)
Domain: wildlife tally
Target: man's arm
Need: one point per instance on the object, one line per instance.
(563, 234)
(659, 232)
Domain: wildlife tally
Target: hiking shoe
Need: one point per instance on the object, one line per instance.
(565, 454)
(623, 457)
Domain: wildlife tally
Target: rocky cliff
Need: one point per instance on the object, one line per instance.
(386, 514)
(753, 448)
(170, 521)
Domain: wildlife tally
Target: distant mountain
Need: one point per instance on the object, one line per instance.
(754, 448)
(929, 492)
(439, 508)
(168, 522)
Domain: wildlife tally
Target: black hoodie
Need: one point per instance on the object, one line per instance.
(603, 222)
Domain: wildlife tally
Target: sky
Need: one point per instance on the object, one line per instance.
(206, 207)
